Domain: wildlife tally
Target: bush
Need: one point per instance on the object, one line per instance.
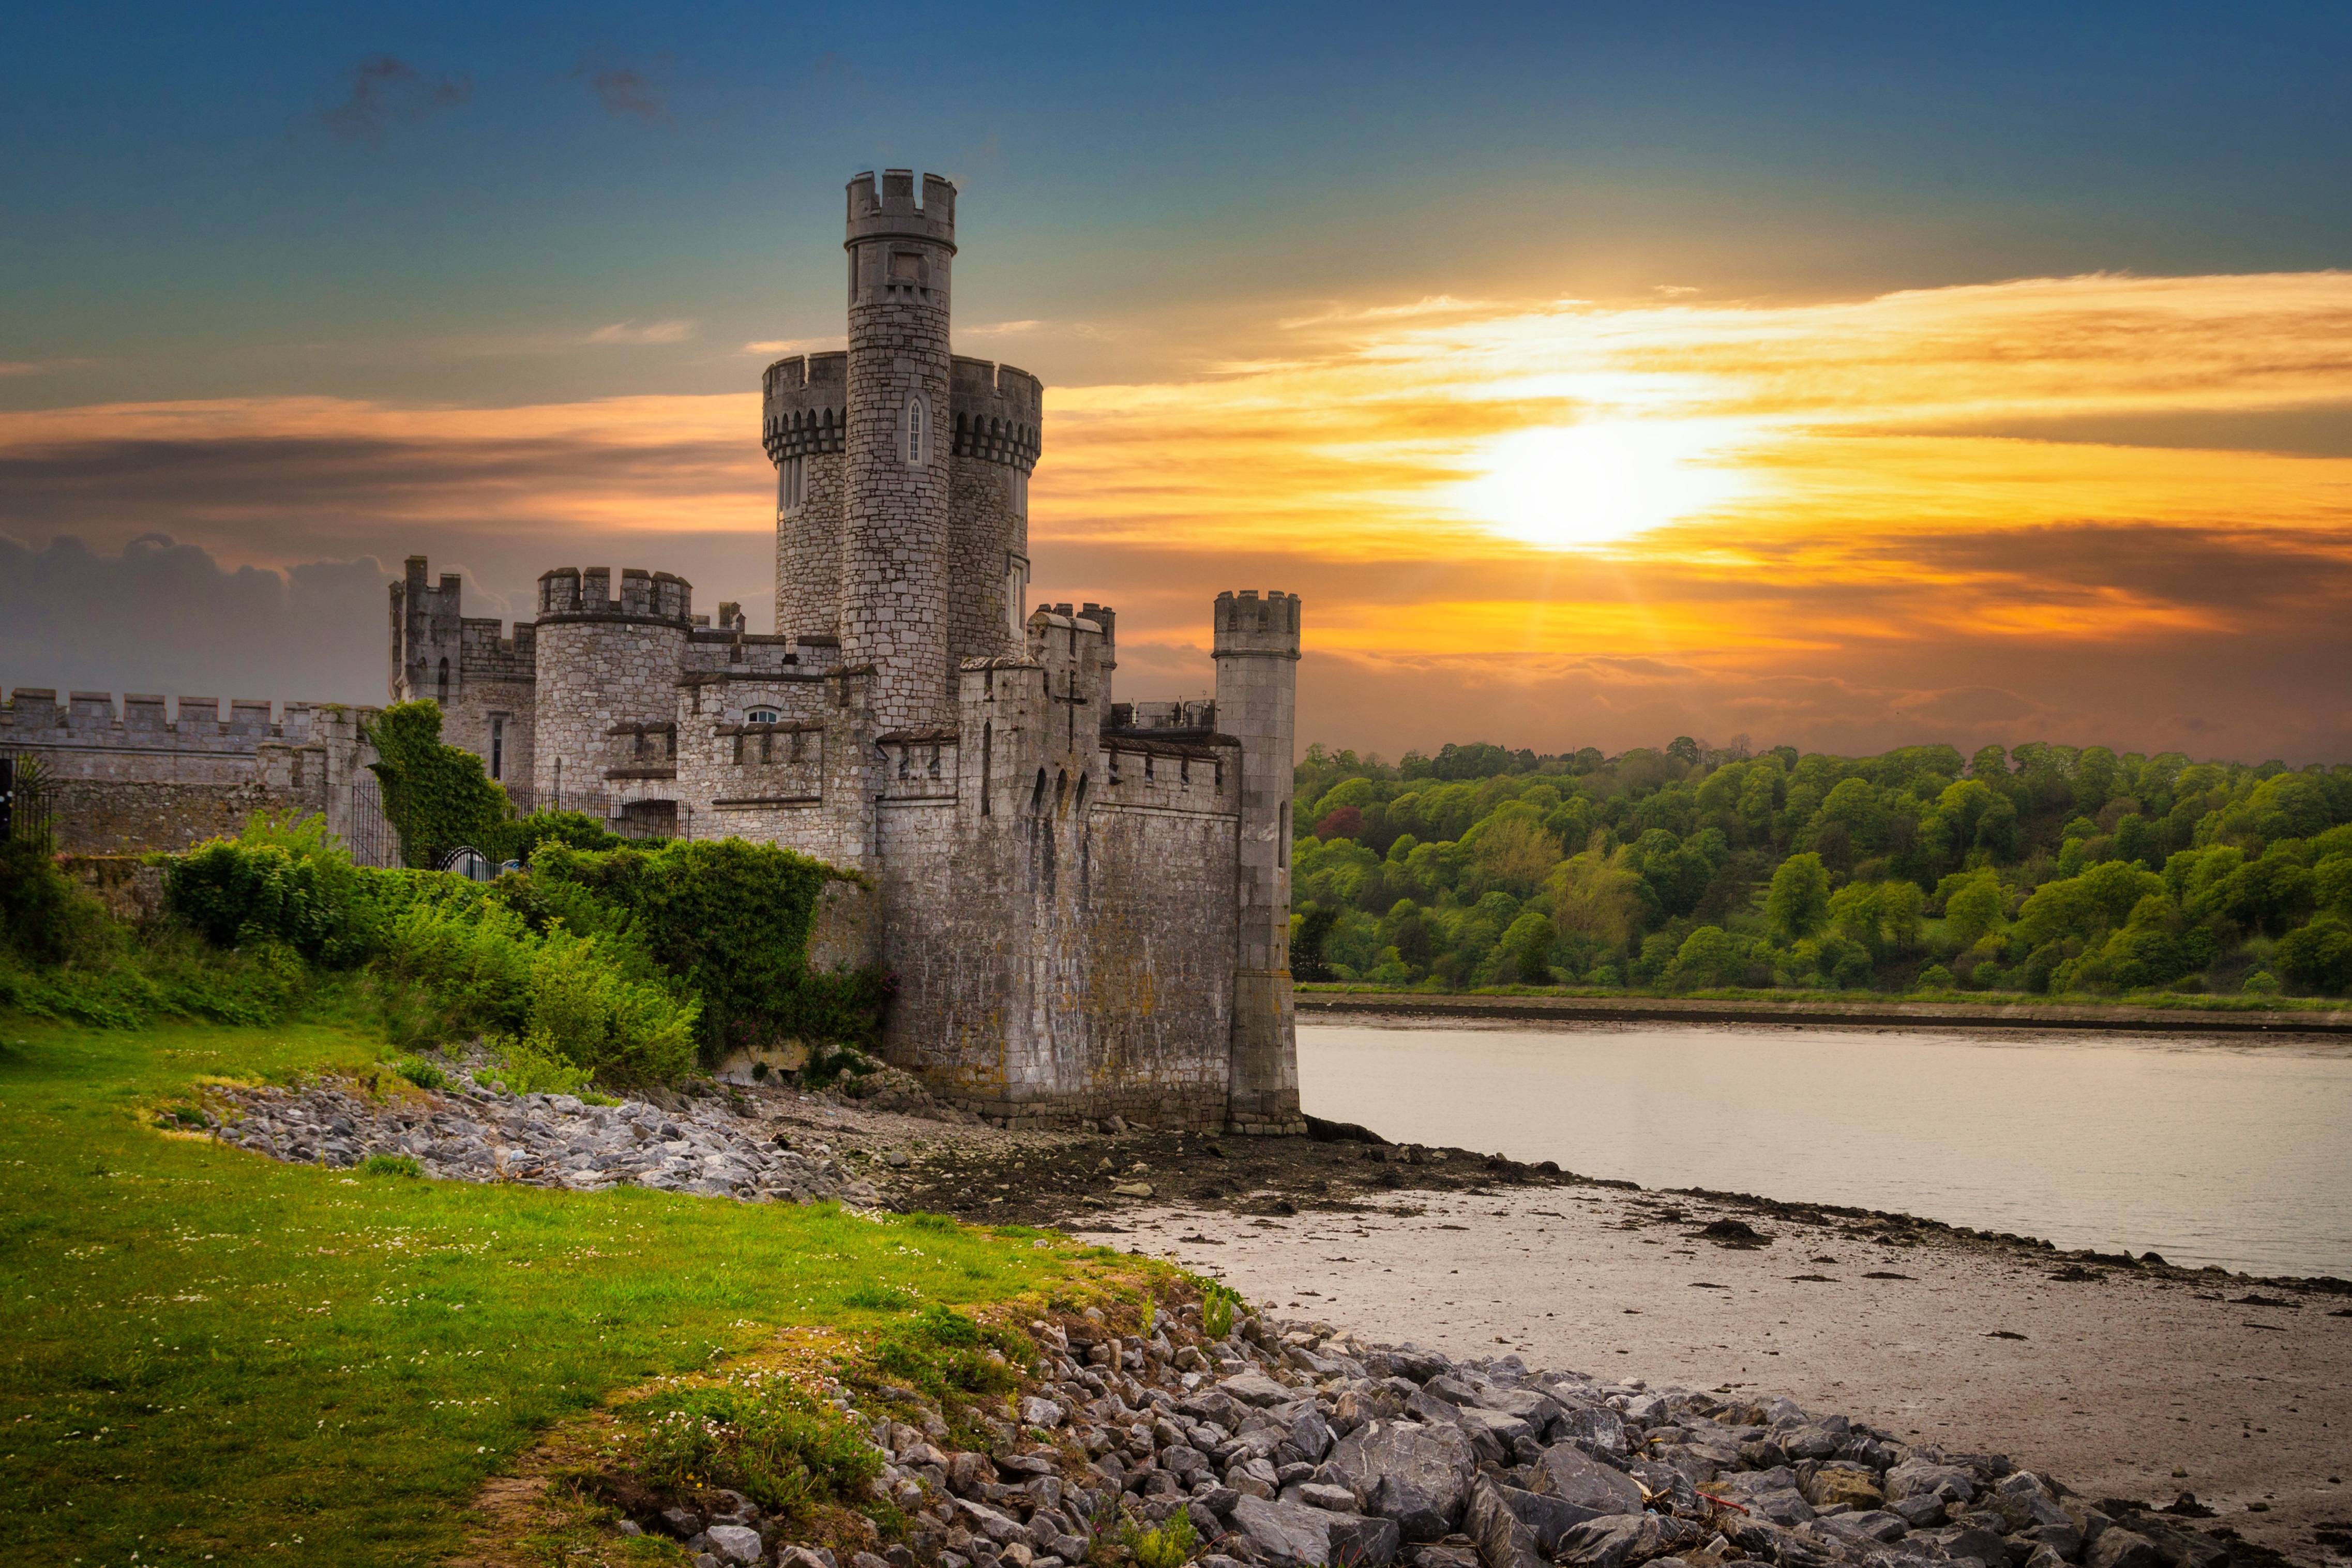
(391, 1165)
(1170, 1546)
(2261, 982)
(421, 1073)
(286, 878)
(732, 920)
(533, 1065)
(43, 915)
(1936, 977)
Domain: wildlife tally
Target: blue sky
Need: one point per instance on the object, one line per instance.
(202, 201)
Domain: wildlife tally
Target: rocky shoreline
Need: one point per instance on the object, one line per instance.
(1287, 1445)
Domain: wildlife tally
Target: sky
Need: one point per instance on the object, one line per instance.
(1841, 376)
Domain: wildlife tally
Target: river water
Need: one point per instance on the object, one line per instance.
(2203, 1150)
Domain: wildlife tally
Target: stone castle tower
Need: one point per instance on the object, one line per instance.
(1086, 902)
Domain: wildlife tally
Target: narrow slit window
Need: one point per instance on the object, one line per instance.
(444, 693)
(917, 436)
(498, 748)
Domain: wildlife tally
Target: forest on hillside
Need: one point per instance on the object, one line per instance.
(2044, 869)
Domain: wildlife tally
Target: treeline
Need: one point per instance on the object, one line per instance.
(2042, 870)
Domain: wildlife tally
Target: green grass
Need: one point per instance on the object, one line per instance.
(202, 1352)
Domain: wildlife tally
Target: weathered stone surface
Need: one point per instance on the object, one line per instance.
(1257, 1388)
(2120, 1548)
(1284, 1534)
(1418, 1476)
(735, 1544)
(1549, 1518)
(1633, 1537)
(1504, 1541)
(1358, 1542)
(1568, 1473)
(1597, 1423)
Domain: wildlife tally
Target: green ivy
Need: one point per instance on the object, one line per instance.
(437, 795)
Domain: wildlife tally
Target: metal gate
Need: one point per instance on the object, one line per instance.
(25, 806)
(374, 839)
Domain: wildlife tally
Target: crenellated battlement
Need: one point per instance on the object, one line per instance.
(34, 716)
(1242, 623)
(891, 211)
(998, 413)
(568, 593)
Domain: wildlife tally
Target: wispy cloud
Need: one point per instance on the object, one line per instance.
(777, 347)
(1815, 524)
(626, 92)
(40, 366)
(384, 90)
(647, 333)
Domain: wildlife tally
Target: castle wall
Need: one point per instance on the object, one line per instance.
(1256, 645)
(136, 780)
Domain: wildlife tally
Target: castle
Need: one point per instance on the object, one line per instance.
(1086, 903)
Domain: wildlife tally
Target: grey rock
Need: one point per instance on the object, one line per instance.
(1331, 1499)
(1257, 1388)
(1035, 1412)
(1504, 1541)
(1877, 1525)
(1632, 1537)
(1418, 1476)
(2043, 1556)
(2120, 1548)
(1983, 1545)
(1358, 1542)
(1284, 1534)
(1597, 1423)
(1920, 1477)
(735, 1544)
(1783, 1506)
(1549, 1518)
(1569, 1474)
(682, 1524)
(1919, 1512)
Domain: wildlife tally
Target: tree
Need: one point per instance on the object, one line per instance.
(1346, 822)
(1683, 747)
(1709, 956)
(1527, 946)
(1973, 909)
(1798, 903)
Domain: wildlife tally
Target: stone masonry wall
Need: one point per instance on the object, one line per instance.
(595, 674)
(895, 537)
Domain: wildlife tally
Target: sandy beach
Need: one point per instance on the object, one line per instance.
(2117, 1385)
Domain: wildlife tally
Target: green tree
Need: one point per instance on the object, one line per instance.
(1973, 909)
(1799, 902)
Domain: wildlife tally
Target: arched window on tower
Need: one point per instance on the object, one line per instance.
(1020, 493)
(918, 433)
(792, 486)
(443, 695)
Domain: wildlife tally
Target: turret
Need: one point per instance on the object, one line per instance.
(804, 426)
(896, 488)
(1256, 654)
(427, 641)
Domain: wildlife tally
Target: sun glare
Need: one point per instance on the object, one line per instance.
(1594, 483)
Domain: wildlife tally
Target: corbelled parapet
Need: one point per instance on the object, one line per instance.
(998, 413)
(805, 404)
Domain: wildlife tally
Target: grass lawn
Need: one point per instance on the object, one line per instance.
(206, 1353)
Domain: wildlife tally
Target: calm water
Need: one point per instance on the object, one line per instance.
(2205, 1151)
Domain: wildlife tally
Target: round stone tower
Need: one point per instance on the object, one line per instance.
(606, 690)
(895, 462)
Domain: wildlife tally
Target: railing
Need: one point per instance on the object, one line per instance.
(25, 804)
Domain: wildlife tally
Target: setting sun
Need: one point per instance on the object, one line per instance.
(1597, 482)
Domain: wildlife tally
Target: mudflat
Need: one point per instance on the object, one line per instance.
(2120, 1382)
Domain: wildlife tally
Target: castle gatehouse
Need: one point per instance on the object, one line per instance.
(1084, 901)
